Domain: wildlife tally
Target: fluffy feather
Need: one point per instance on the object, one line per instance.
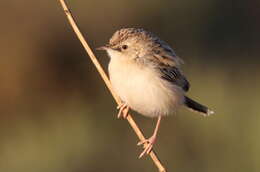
(142, 88)
(145, 73)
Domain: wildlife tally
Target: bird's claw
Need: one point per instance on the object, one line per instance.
(149, 145)
(123, 110)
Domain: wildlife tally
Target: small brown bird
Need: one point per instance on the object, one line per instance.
(145, 73)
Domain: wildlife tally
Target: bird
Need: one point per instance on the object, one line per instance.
(145, 73)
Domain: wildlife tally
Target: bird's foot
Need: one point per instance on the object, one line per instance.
(149, 145)
(123, 110)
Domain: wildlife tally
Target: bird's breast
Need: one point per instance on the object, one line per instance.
(143, 89)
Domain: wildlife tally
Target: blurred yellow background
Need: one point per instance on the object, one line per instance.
(58, 116)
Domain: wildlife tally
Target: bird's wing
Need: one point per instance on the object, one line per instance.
(165, 54)
(175, 76)
(168, 64)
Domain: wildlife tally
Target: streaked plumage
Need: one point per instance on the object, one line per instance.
(145, 73)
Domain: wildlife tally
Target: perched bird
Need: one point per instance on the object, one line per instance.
(145, 73)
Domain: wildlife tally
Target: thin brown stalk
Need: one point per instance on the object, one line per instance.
(107, 82)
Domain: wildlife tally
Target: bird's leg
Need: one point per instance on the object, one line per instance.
(123, 110)
(151, 140)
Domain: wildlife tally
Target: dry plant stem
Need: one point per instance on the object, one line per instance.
(107, 82)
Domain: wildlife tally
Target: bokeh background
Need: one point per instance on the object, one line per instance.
(56, 115)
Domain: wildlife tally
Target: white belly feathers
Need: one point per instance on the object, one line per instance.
(143, 89)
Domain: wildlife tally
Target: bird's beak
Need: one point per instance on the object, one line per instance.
(103, 48)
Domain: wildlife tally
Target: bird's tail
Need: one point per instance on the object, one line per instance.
(193, 105)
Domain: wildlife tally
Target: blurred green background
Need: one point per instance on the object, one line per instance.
(58, 116)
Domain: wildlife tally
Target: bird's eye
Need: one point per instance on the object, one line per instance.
(124, 47)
